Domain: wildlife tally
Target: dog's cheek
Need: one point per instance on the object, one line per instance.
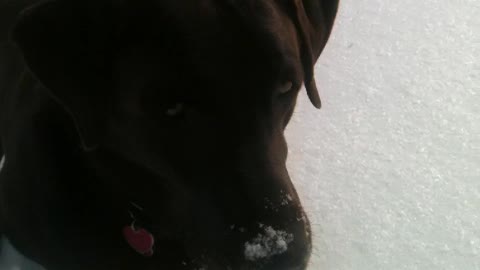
(285, 110)
(288, 117)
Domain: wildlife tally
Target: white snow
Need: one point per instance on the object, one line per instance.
(271, 242)
(389, 169)
(11, 259)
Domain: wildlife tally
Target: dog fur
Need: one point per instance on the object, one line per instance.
(177, 107)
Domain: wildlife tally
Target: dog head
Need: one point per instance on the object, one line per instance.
(199, 93)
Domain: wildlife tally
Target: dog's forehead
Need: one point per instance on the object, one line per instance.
(216, 51)
(239, 41)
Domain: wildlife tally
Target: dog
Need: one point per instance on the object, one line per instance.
(150, 134)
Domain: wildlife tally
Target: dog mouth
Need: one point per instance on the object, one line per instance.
(260, 252)
(259, 247)
(264, 252)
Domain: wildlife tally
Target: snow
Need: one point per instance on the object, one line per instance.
(271, 242)
(389, 169)
(10, 259)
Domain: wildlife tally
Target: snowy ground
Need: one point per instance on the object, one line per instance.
(389, 169)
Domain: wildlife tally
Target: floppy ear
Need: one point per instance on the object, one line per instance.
(65, 45)
(314, 21)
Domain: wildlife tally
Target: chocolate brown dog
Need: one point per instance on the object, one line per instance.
(149, 134)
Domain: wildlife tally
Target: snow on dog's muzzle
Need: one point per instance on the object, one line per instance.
(267, 244)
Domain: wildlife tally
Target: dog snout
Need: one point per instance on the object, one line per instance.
(265, 236)
(267, 247)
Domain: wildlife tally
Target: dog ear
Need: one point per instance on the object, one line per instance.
(314, 21)
(65, 46)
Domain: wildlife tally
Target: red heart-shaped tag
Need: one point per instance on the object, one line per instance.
(139, 239)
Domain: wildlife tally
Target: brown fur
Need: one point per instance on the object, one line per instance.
(86, 129)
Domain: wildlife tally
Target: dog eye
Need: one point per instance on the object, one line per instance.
(286, 87)
(175, 109)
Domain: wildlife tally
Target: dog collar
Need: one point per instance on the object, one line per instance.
(138, 237)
